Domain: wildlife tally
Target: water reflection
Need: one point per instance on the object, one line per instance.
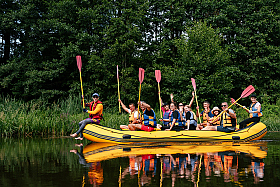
(175, 164)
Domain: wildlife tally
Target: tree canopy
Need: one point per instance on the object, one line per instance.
(225, 45)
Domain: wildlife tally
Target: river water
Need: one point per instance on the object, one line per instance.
(65, 162)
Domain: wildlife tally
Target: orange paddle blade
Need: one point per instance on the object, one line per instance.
(232, 100)
(158, 75)
(79, 62)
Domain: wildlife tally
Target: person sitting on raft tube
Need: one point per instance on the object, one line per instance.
(255, 111)
(191, 120)
(133, 114)
(148, 119)
(177, 121)
(95, 115)
(215, 111)
(228, 121)
(206, 114)
(166, 114)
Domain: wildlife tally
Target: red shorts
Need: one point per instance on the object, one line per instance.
(146, 128)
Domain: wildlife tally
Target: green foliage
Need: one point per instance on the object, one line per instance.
(224, 45)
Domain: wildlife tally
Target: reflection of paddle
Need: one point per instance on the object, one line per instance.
(158, 78)
(250, 89)
(194, 88)
(141, 78)
(199, 169)
(119, 94)
(79, 64)
(232, 101)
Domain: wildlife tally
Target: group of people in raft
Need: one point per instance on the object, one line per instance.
(182, 118)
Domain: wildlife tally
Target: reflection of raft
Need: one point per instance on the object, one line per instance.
(98, 133)
(102, 151)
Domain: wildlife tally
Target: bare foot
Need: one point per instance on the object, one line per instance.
(74, 135)
(79, 138)
(73, 151)
(79, 145)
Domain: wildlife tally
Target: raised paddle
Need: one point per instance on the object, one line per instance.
(232, 101)
(79, 64)
(194, 88)
(248, 91)
(119, 94)
(158, 78)
(141, 78)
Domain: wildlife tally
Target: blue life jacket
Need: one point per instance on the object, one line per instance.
(166, 116)
(253, 108)
(179, 121)
(149, 120)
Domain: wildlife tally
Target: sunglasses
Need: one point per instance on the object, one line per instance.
(223, 105)
(181, 105)
(95, 96)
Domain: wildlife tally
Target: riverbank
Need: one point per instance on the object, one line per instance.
(36, 118)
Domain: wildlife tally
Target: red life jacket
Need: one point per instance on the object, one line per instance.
(92, 107)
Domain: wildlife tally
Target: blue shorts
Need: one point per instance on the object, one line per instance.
(224, 129)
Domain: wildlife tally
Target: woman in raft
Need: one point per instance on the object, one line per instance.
(255, 111)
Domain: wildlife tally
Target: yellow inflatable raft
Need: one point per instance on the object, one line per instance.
(98, 133)
(103, 151)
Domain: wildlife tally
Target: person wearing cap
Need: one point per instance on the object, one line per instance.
(228, 120)
(95, 115)
(255, 111)
(147, 121)
(133, 114)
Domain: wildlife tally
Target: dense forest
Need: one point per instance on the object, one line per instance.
(225, 45)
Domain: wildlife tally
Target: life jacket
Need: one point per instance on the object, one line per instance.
(149, 120)
(204, 115)
(218, 122)
(179, 121)
(166, 115)
(253, 108)
(228, 121)
(93, 107)
(131, 116)
(193, 119)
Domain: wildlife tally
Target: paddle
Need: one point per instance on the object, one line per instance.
(79, 64)
(194, 88)
(248, 91)
(232, 101)
(119, 94)
(141, 78)
(158, 78)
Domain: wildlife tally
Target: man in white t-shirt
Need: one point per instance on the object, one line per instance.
(133, 114)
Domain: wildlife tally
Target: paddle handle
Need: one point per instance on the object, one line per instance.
(82, 89)
(159, 100)
(242, 107)
(197, 106)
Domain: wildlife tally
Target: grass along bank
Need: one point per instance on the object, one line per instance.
(18, 118)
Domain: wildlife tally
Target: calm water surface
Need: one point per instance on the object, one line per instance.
(63, 162)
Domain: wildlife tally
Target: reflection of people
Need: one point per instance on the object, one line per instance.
(95, 115)
(258, 171)
(133, 113)
(255, 111)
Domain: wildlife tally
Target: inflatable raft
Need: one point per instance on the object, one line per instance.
(98, 133)
(95, 152)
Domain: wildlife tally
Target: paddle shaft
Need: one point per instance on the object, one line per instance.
(82, 89)
(224, 110)
(197, 106)
(139, 100)
(119, 95)
(159, 100)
